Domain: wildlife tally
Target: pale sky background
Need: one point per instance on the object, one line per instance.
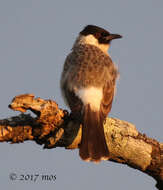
(35, 37)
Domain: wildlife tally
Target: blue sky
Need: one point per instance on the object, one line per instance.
(35, 37)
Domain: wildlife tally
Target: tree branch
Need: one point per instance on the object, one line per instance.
(52, 127)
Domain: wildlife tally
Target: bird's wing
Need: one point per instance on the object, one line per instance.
(108, 95)
(67, 88)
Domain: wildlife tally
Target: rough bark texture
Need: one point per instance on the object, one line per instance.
(53, 127)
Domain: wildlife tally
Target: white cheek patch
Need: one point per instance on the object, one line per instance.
(91, 95)
(90, 39)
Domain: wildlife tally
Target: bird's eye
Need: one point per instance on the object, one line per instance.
(104, 34)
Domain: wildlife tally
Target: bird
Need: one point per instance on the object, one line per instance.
(88, 84)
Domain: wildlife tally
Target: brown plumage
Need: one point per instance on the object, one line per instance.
(88, 86)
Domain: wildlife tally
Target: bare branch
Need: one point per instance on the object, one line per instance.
(52, 127)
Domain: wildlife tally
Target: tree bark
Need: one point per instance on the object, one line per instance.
(53, 127)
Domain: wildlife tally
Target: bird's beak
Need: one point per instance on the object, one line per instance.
(112, 37)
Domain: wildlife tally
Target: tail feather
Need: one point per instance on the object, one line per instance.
(93, 145)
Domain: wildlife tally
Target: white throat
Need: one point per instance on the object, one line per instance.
(90, 39)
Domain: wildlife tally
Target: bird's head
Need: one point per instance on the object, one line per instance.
(97, 36)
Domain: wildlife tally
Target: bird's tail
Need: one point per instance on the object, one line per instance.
(93, 144)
